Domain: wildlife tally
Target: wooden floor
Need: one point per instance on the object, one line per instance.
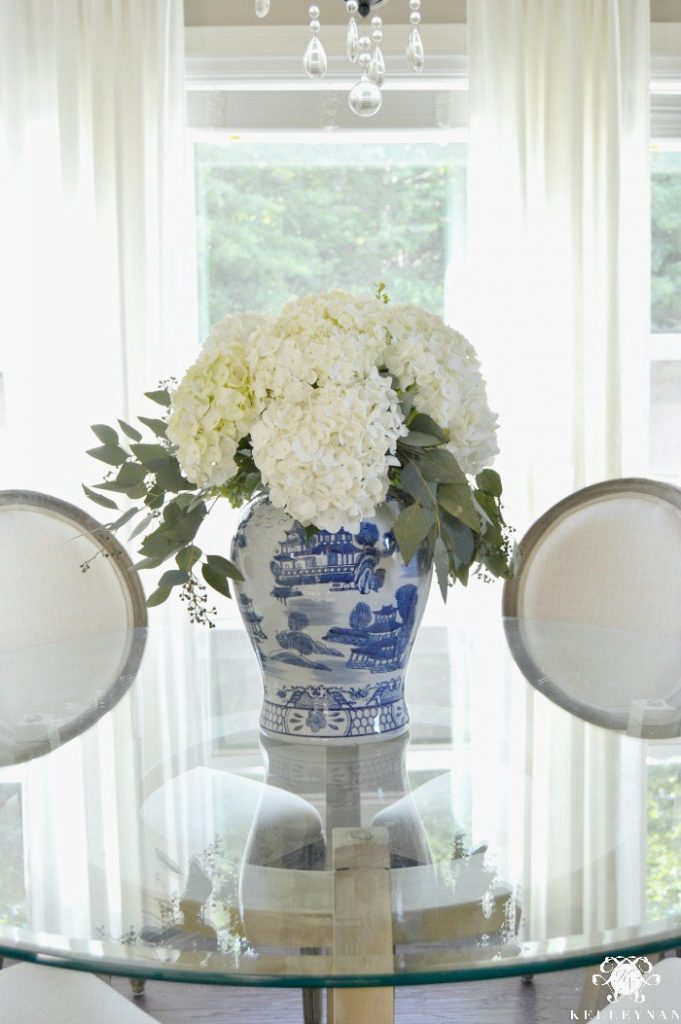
(547, 1000)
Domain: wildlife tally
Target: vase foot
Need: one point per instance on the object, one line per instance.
(340, 741)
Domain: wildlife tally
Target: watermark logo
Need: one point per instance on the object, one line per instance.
(626, 976)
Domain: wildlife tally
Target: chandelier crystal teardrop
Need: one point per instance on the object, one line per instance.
(314, 61)
(365, 98)
(352, 40)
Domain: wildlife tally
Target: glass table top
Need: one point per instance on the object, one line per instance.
(148, 829)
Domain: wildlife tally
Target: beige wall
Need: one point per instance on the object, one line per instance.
(284, 12)
(240, 12)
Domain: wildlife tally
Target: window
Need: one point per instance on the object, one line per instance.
(276, 219)
(663, 834)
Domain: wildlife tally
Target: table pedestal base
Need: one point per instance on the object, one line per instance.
(362, 924)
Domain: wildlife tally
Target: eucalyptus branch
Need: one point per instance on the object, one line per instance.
(173, 508)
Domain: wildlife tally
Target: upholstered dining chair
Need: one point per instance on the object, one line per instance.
(32, 994)
(86, 626)
(593, 618)
(71, 642)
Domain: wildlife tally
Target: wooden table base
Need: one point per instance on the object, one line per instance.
(362, 924)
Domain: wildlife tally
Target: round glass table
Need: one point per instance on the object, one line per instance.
(148, 829)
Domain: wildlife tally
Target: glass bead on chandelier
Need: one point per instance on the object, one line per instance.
(363, 47)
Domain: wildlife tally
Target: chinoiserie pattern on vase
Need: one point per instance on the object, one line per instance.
(332, 617)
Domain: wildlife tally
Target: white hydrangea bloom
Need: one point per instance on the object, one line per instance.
(325, 457)
(323, 420)
(214, 406)
(449, 387)
(334, 337)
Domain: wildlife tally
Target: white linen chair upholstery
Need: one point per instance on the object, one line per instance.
(70, 645)
(594, 616)
(70, 641)
(33, 994)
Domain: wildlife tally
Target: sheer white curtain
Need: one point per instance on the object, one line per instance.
(97, 275)
(559, 237)
(559, 308)
(96, 256)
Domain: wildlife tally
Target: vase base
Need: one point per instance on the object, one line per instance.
(335, 724)
(340, 741)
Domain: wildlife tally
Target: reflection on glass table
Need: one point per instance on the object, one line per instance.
(504, 835)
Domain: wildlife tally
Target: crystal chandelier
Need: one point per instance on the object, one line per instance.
(363, 47)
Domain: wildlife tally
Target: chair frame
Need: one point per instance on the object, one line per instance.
(137, 627)
(617, 720)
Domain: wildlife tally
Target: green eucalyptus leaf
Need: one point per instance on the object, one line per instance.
(413, 483)
(158, 544)
(495, 562)
(161, 397)
(129, 431)
(462, 575)
(425, 425)
(441, 560)
(411, 528)
(489, 481)
(99, 498)
(157, 427)
(107, 435)
(141, 526)
(130, 475)
(111, 485)
(173, 578)
(225, 567)
(489, 510)
(188, 557)
(154, 498)
(416, 439)
(137, 491)
(172, 513)
(153, 456)
(407, 402)
(197, 499)
(169, 478)
(439, 464)
(125, 518)
(458, 537)
(215, 580)
(149, 563)
(109, 453)
(158, 597)
(183, 526)
(458, 501)
(185, 499)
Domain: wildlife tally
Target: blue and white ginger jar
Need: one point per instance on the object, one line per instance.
(332, 620)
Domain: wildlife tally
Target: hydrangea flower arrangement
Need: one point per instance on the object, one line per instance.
(329, 407)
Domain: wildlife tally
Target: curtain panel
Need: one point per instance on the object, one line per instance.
(96, 249)
(559, 243)
(559, 213)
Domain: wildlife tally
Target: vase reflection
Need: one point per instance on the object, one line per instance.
(286, 888)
